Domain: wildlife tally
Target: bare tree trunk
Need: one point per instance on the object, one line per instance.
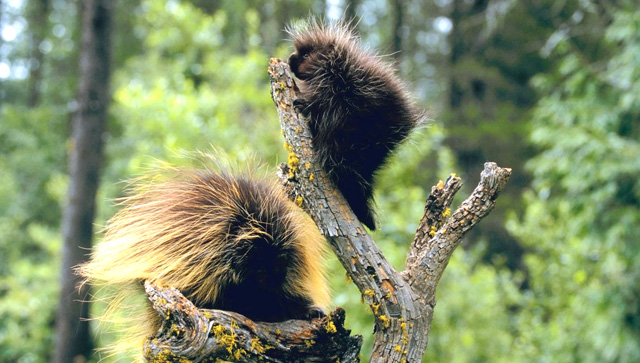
(398, 22)
(350, 10)
(2, 89)
(320, 7)
(72, 330)
(486, 91)
(38, 27)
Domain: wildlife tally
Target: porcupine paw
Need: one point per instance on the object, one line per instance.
(300, 104)
(315, 313)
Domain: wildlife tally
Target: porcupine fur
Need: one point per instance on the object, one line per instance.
(359, 110)
(226, 242)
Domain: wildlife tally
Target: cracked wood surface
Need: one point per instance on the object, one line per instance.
(195, 335)
(402, 302)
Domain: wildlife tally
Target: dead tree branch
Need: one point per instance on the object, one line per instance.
(203, 335)
(402, 303)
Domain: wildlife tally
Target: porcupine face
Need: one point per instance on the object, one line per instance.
(305, 60)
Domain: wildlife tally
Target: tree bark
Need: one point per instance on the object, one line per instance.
(398, 22)
(2, 89)
(38, 27)
(402, 303)
(208, 335)
(85, 160)
(351, 11)
(494, 54)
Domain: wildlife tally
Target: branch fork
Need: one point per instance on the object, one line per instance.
(402, 302)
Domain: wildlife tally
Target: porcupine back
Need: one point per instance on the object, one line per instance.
(359, 110)
(226, 242)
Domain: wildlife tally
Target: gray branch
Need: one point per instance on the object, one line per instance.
(402, 303)
(196, 335)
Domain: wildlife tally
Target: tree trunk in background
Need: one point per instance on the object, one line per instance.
(38, 28)
(2, 90)
(351, 10)
(85, 160)
(398, 22)
(493, 57)
(320, 7)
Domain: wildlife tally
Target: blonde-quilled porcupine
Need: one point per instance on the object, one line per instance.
(225, 241)
(359, 110)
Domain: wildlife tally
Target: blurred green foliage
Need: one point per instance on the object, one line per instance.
(583, 212)
(183, 83)
(32, 185)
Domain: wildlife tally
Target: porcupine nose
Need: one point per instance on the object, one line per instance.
(294, 61)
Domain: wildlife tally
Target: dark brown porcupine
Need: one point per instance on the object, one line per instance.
(358, 108)
(226, 242)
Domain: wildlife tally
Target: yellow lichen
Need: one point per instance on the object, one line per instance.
(176, 331)
(330, 327)
(432, 231)
(405, 335)
(292, 162)
(368, 293)
(309, 343)
(299, 201)
(311, 177)
(375, 308)
(384, 320)
(167, 356)
(257, 346)
(440, 184)
(397, 348)
(228, 340)
(447, 212)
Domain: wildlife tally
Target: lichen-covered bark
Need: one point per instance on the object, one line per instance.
(192, 335)
(402, 302)
(390, 297)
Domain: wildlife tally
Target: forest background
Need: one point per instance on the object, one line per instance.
(549, 88)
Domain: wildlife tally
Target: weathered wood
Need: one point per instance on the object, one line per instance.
(390, 297)
(402, 303)
(434, 245)
(204, 335)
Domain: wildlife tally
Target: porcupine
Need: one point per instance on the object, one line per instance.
(359, 110)
(230, 242)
